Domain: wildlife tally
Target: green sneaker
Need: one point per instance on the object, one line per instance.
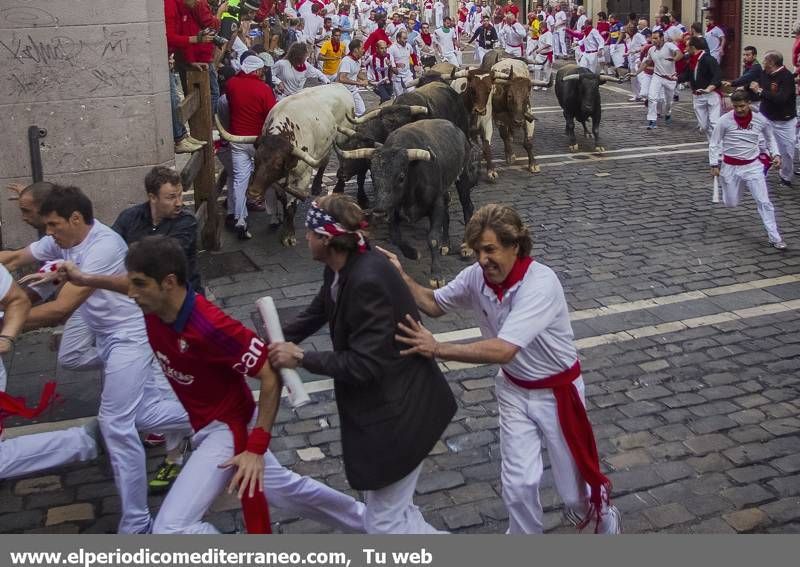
(165, 476)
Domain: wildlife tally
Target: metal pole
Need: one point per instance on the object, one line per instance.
(34, 135)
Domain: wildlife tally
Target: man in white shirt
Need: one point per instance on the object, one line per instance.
(715, 38)
(560, 32)
(400, 54)
(662, 55)
(427, 13)
(349, 69)
(542, 55)
(130, 398)
(525, 328)
(289, 74)
(638, 41)
(313, 29)
(513, 35)
(438, 11)
(446, 43)
(32, 453)
(593, 45)
(734, 152)
(395, 26)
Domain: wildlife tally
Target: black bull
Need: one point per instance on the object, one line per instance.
(578, 93)
(412, 173)
(372, 129)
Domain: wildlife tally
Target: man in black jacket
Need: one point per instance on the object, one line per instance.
(162, 214)
(704, 76)
(487, 38)
(776, 91)
(752, 69)
(393, 408)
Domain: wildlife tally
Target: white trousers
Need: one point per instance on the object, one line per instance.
(707, 110)
(391, 510)
(480, 52)
(785, 132)
(543, 68)
(131, 400)
(515, 50)
(735, 178)
(201, 481)
(33, 453)
(560, 43)
(77, 350)
(358, 103)
(659, 87)
(428, 16)
(398, 84)
(633, 65)
(243, 158)
(529, 421)
(589, 61)
(452, 57)
(617, 53)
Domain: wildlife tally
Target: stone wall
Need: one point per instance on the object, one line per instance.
(95, 76)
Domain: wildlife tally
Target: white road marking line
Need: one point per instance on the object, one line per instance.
(582, 344)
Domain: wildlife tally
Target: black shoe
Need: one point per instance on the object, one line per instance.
(242, 233)
(785, 182)
(676, 98)
(230, 222)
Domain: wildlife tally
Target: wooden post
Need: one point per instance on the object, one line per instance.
(204, 188)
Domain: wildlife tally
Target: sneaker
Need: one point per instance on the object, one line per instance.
(651, 125)
(165, 476)
(611, 522)
(153, 440)
(633, 99)
(676, 98)
(780, 245)
(186, 147)
(668, 119)
(785, 182)
(242, 233)
(195, 141)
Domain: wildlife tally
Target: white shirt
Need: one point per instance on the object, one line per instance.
(551, 22)
(560, 19)
(580, 22)
(392, 30)
(351, 68)
(714, 39)
(533, 316)
(730, 140)
(5, 282)
(401, 58)
(438, 7)
(636, 44)
(593, 42)
(513, 35)
(293, 80)
(445, 41)
(661, 65)
(313, 28)
(545, 44)
(675, 32)
(102, 252)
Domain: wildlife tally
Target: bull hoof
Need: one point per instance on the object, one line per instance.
(573, 148)
(492, 175)
(599, 149)
(534, 168)
(511, 159)
(289, 240)
(466, 251)
(436, 283)
(444, 250)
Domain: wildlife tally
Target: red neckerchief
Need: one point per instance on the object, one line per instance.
(586, 30)
(300, 68)
(426, 38)
(335, 43)
(744, 121)
(694, 59)
(353, 57)
(710, 27)
(516, 274)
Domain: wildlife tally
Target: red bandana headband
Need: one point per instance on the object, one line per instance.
(320, 221)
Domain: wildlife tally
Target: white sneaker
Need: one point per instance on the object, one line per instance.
(610, 522)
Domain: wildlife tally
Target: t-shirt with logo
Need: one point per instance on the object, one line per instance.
(205, 355)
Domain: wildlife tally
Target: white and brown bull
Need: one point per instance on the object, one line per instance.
(500, 95)
(296, 140)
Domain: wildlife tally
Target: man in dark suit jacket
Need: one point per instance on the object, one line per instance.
(704, 76)
(392, 408)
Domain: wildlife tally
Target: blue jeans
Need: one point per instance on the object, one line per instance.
(214, 82)
(178, 129)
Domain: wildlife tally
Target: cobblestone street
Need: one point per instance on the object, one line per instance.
(686, 320)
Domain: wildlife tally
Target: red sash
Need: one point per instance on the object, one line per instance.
(577, 431)
(255, 509)
(736, 161)
(11, 406)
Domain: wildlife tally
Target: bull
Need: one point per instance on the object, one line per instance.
(412, 173)
(578, 94)
(293, 143)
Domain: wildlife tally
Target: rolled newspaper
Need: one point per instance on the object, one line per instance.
(291, 379)
(715, 192)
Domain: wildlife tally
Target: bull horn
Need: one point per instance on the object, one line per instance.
(573, 77)
(349, 132)
(500, 81)
(304, 156)
(535, 83)
(418, 110)
(529, 115)
(417, 154)
(227, 136)
(610, 78)
(412, 83)
(361, 153)
(459, 74)
(364, 117)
